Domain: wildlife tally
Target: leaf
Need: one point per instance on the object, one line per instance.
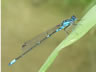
(82, 27)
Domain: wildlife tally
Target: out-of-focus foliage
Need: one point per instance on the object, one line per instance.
(63, 3)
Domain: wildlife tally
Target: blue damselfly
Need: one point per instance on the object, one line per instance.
(29, 45)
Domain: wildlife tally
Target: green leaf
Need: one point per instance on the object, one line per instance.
(82, 27)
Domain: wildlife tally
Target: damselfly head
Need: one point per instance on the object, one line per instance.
(73, 18)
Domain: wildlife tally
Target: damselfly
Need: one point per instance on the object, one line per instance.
(29, 45)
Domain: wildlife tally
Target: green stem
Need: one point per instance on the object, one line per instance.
(86, 23)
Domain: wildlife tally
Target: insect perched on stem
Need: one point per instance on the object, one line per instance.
(29, 45)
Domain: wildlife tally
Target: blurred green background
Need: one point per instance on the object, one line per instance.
(24, 19)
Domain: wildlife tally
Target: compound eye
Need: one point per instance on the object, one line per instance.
(73, 17)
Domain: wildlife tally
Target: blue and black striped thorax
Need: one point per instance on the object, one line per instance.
(66, 23)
